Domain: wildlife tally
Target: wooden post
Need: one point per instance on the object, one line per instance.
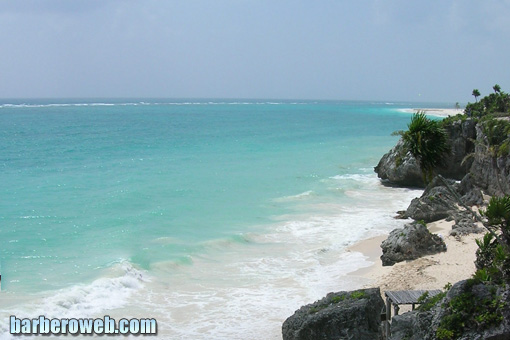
(388, 316)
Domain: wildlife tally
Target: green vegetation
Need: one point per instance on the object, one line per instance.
(427, 141)
(493, 114)
(497, 132)
(427, 303)
(476, 94)
(422, 222)
(481, 311)
(497, 103)
(337, 299)
(356, 295)
(493, 254)
(468, 310)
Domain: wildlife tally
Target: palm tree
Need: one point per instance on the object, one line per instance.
(428, 143)
(476, 93)
(496, 88)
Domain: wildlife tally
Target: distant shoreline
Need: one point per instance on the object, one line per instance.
(436, 112)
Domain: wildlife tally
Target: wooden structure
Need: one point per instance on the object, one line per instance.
(401, 297)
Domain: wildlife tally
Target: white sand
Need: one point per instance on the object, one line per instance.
(429, 272)
(437, 112)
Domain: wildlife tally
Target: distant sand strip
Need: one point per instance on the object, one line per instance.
(436, 112)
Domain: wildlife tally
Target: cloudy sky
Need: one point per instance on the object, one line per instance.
(295, 49)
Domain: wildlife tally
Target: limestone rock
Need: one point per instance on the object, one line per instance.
(342, 315)
(409, 243)
(435, 203)
(490, 173)
(399, 167)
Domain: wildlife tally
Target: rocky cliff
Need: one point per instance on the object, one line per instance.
(469, 160)
(342, 315)
(399, 167)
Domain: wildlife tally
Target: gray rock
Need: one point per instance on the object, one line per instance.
(435, 203)
(461, 136)
(342, 315)
(464, 224)
(408, 326)
(400, 168)
(470, 192)
(490, 173)
(409, 243)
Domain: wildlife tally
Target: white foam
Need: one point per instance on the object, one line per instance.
(300, 196)
(239, 290)
(82, 300)
(245, 290)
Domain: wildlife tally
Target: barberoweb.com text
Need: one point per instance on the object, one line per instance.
(106, 325)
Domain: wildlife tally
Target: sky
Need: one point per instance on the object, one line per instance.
(392, 50)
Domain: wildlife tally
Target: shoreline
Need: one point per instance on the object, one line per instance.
(428, 272)
(443, 113)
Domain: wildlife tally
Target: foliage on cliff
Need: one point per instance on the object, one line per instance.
(493, 104)
(427, 141)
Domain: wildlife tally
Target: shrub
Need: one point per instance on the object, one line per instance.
(427, 141)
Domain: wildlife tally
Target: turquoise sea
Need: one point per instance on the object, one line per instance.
(217, 217)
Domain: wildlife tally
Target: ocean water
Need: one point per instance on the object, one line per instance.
(219, 218)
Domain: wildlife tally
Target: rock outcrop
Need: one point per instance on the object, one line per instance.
(399, 167)
(490, 172)
(435, 203)
(342, 315)
(409, 243)
(464, 224)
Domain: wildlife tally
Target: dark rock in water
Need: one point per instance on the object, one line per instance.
(409, 243)
(399, 167)
(435, 203)
(401, 215)
(342, 315)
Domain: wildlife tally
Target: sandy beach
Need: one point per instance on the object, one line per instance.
(436, 112)
(428, 272)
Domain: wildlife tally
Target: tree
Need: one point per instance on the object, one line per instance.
(476, 94)
(496, 88)
(457, 105)
(427, 141)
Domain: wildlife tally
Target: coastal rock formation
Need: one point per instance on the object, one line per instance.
(461, 135)
(399, 167)
(342, 315)
(409, 243)
(490, 172)
(435, 203)
(464, 224)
